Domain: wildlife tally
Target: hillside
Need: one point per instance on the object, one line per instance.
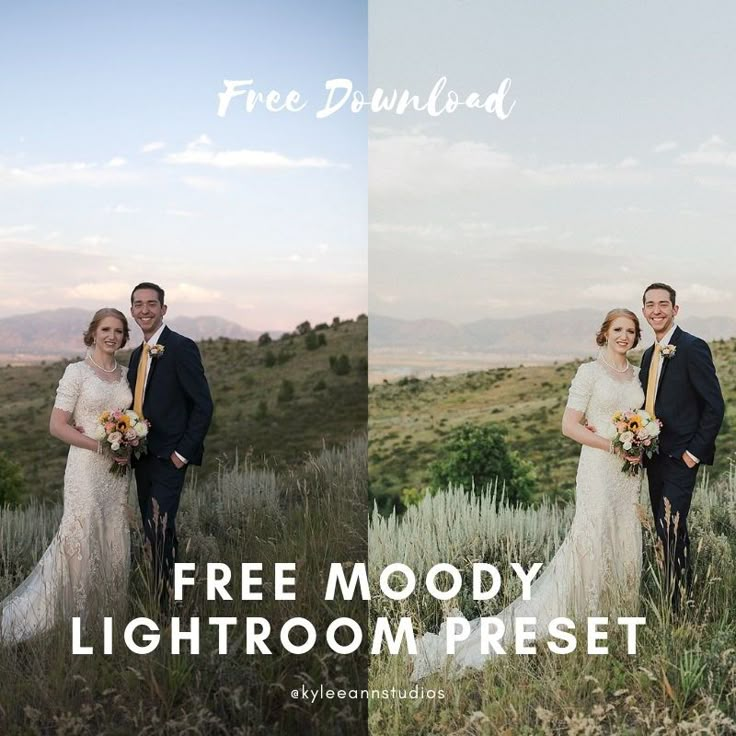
(409, 419)
(253, 412)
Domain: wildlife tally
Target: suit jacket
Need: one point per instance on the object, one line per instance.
(177, 401)
(689, 399)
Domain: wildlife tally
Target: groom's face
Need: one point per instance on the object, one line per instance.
(659, 311)
(147, 311)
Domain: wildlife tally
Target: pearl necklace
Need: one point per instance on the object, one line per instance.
(613, 367)
(104, 370)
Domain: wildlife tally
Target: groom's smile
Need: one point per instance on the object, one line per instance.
(147, 311)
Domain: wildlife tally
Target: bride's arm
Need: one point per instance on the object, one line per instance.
(573, 428)
(60, 428)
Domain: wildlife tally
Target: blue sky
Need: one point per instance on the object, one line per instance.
(115, 168)
(616, 168)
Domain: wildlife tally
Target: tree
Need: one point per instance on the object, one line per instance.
(11, 481)
(286, 392)
(476, 456)
(265, 339)
(303, 328)
(340, 364)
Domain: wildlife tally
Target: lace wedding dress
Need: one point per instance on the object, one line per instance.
(85, 568)
(598, 565)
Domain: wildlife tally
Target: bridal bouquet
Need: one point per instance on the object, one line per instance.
(124, 434)
(637, 435)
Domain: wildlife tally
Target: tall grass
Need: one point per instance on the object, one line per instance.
(313, 515)
(682, 679)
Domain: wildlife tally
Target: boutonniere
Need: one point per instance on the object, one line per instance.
(156, 351)
(668, 351)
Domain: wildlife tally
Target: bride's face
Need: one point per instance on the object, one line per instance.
(109, 335)
(621, 335)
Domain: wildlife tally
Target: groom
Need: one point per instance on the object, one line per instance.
(682, 390)
(171, 391)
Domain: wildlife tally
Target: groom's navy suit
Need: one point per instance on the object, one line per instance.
(690, 405)
(178, 405)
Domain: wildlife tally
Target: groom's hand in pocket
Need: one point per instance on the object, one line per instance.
(177, 461)
(688, 460)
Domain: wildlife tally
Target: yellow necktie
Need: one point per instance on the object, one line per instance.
(140, 381)
(652, 380)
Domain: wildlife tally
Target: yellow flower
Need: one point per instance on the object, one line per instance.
(635, 422)
(123, 423)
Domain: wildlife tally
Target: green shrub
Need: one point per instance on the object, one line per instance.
(476, 456)
(261, 410)
(286, 392)
(340, 364)
(11, 481)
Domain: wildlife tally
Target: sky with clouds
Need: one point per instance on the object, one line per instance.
(616, 167)
(115, 167)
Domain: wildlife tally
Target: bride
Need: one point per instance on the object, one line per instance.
(598, 565)
(88, 559)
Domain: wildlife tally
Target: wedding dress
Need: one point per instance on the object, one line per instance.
(85, 568)
(598, 565)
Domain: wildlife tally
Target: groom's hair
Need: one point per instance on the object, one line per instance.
(658, 285)
(149, 285)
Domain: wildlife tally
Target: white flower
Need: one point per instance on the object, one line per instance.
(141, 429)
(627, 446)
(653, 429)
(98, 433)
(627, 437)
(115, 446)
(115, 437)
(130, 434)
(668, 351)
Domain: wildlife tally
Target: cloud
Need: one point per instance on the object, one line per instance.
(152, 146)
(102, 291)
(628, 163)
(95, 241)
(75, 172)
(117, 161)
(421, 232)
(701, 294)
(180, 213)
(204, 183)
(122, 209)
(712, 152)
(664, 147)
(608, 240)
(200, 153)
(184, 292)
(12, 231)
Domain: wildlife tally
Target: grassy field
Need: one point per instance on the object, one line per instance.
(682, 679)
(313, 514)
(255, 414)
(410, 418)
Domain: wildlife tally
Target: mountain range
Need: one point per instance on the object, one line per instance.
(57, 333)
(553, 335)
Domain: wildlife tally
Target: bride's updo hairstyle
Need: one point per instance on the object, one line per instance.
(100, 314)
(600, 337)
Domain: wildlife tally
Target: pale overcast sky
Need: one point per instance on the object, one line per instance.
(617, 166)
(115, 168)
